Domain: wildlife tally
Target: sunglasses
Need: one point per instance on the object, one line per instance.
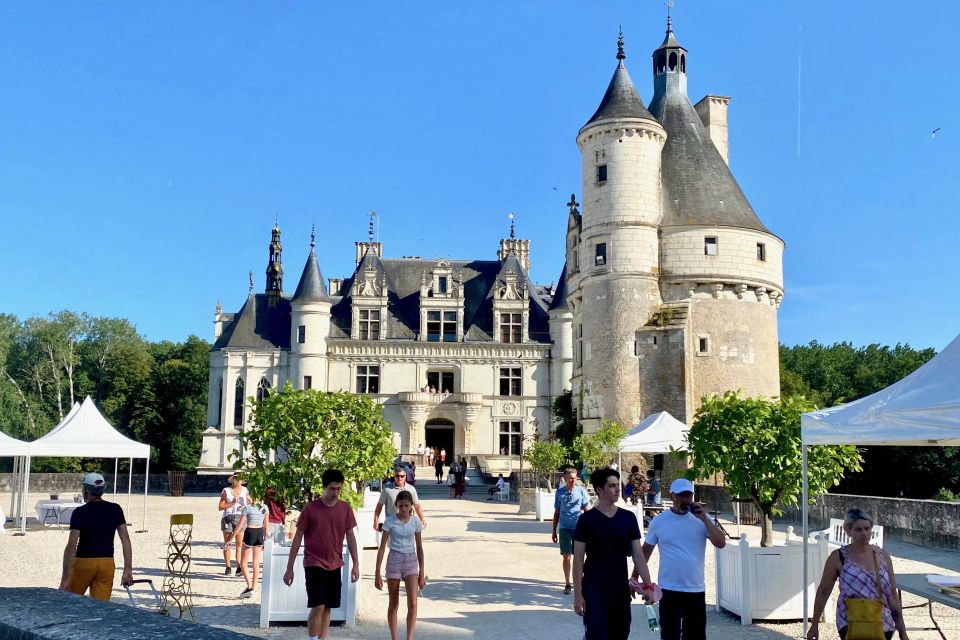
(400, 475)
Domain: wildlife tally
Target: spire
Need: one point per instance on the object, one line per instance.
(313, 236)
(513, 229)
(250, 290)
(275, 267)
(621, 99)
(373, 214)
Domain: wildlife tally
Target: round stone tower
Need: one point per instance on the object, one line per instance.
(310, 327)
(616, 277)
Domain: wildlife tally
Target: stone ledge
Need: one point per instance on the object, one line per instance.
(42, 614)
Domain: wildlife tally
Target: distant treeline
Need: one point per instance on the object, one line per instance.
(831, 375)
(154, 392)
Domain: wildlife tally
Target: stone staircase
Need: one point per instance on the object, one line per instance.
(427, 486)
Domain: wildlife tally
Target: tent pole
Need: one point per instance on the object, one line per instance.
(804, 510)
(23, 497)
(15, 489)
(116, 467)
(129, 485)
(146, 487)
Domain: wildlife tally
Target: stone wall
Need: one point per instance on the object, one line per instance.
(42, 614)
(69, 483)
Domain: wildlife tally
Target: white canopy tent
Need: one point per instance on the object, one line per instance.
(657, 433)
(85, 433)
(921, 410)
(18, 450)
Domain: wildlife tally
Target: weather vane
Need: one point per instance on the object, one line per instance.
(250, 274)
(512, 227)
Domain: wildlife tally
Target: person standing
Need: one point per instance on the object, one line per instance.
(859, 566)
(405, 562)
(232, 501)
(254, 533)
(568, 503)
(438, 468)
(88, 556)
(653, 497)
(412, 473)
(388, 498)
(681, 534)
(605, 536)
(276, 510)
(322, 526)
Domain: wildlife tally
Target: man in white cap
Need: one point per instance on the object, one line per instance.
(88, 556)
(682, 534)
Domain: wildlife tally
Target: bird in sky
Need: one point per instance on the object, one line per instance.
(934, 134)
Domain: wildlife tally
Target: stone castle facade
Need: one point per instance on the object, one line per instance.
(669, 292)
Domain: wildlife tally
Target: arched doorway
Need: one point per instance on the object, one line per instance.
(440, 434)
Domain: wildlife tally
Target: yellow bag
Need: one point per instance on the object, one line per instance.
(865, 615)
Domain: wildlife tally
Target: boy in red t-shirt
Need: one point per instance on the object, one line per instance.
(322, 526)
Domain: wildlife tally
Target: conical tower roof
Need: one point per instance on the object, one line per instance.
(559, 301)
(311, 287)
(621, 99)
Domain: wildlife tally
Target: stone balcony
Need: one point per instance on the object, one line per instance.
(421, 397)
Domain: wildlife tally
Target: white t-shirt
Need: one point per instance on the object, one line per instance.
(402, 536)
(236, 505)
(682, 541)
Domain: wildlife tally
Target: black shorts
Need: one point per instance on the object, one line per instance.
(253, 537)
(323, 587)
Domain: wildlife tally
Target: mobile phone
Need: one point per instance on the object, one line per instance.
(695, 509)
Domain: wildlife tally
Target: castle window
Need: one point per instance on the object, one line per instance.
(511, 327)
(661, 64)
(263, 389)
(710, 246)
(761, 252)
(703, 345)
(301, 334)
(602, 173)
(511, 438)
(368, 378)
(307, 382)
(441, 284)
(441, 326)
(601, 256)
(219, 402)
(673, 61)
(238, 403)
(578, 354)
(511, 381)
(369, 324)
(440, 381)
(683, 63)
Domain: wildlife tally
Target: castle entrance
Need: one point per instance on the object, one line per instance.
(439, 433)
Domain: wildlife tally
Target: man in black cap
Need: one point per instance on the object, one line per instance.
(88, 556)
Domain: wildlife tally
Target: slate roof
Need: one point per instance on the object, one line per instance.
(698, 187)
(312, 287)
(258, 326)
(560, 293)
(621, 99)
(403, 277)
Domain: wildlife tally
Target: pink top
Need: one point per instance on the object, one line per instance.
(857, 583)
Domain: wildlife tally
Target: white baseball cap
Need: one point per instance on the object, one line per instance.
(680, 485)
(94, 480)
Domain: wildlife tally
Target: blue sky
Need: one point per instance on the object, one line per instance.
(146, 149)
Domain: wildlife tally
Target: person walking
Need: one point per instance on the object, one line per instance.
(605, 536)
(452, 474)
(232, 501)
(402, 533)
(653, 497)
(388, 498)
(681, 535)
(412, 473)
(88, 557)
(438, 468)
(322, 526)
(861, 568)
(254, 533)
(568, 503)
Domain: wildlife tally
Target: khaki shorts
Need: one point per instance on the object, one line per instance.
(93, 573)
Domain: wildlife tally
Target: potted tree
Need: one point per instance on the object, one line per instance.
(598, 448)
(297, 435)
(545, 458)
(755, 443)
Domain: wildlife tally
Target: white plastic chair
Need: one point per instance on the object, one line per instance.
(836, 534)
(504, 494)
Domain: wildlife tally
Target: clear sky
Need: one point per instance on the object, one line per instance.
(145, 149)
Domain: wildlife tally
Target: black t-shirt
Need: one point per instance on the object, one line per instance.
(609, 542)
(97, 523)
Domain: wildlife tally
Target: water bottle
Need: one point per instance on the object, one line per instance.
(652, 621)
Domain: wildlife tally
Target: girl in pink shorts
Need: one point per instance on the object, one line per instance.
(405, 562)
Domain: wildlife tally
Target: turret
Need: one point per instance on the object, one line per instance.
(310, 326)
(620, 150)
(275, 269)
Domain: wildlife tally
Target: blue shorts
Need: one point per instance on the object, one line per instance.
(566, 541)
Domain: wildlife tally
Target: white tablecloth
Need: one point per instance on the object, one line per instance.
(55, 511)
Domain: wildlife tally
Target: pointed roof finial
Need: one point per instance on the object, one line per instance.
(669, 8)
(313, 236)
(513, 228)
(276, 221)
(373, 214)
(250, 290)
(620, 54)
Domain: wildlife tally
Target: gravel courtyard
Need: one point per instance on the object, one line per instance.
(491, 573)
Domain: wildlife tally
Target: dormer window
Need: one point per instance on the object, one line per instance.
(369, 324)
(511, 327)
(442, 284)
(441, 326)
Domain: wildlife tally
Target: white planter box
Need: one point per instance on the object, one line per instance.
(280, 603)
(765, 583)
(367, 538)
(543, 504)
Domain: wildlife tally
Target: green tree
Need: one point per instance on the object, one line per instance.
(564, 413)
(298, 434)
(596, 449)
(545, 458)
(755, 443)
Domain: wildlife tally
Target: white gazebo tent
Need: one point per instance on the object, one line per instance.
(921, 410)
(84, 432)
(18, 450)
(658, 433)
